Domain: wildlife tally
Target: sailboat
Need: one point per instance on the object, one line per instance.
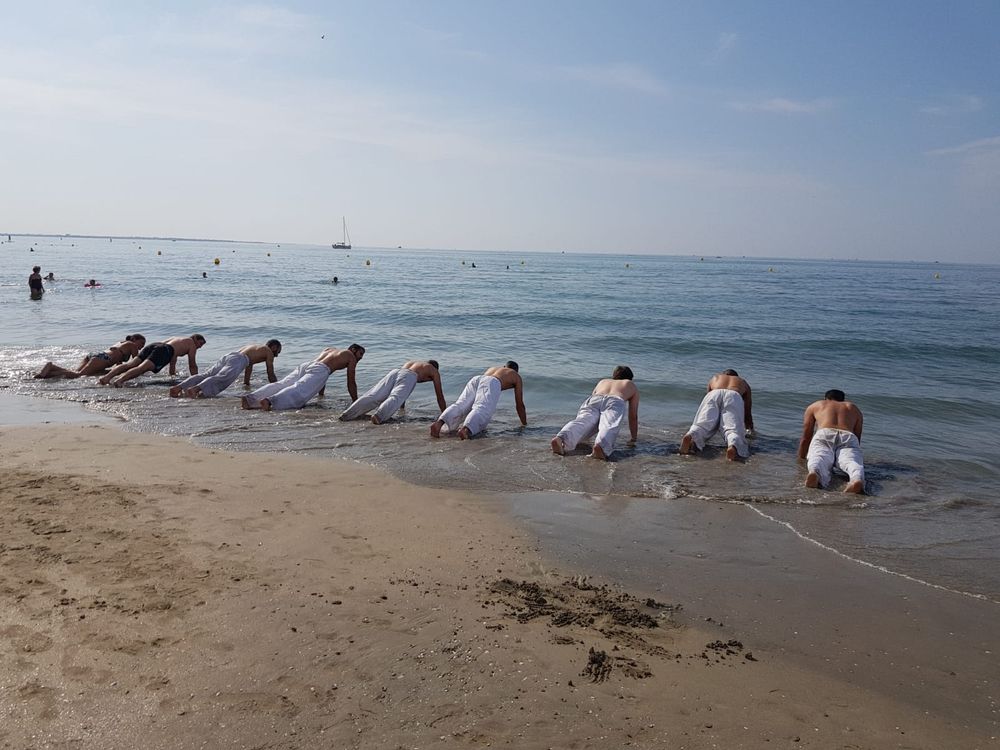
(346, 244)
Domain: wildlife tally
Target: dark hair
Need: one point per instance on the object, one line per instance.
(834, 395)
(433, 362)
(36, 269)
(730, 371)
(622, 372)
(512, 365)
(356, 348)
(198, 337)
(271, 343)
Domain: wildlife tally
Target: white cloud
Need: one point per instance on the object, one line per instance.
(272, 17)
(724, 45)
(782, 106)
(957, 104)
(622, 76)
(980, 145)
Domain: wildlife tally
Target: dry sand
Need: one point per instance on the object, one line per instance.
(154, 594)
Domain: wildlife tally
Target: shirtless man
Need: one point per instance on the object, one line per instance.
(97, 362)
(479, 401)
(727, 404)
(602, 414)
(307, 380)
(831, 436)
(390, 393)
(223, 373)
(154, 357)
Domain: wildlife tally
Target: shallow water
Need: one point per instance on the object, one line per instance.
(913, 344)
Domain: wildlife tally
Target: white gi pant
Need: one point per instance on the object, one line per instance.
(388, 394)
(840, 448)
(476, 405)
(721, 408)
(219, 376)
(598, 414)
(293, 390)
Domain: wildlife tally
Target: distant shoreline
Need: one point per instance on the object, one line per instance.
(131, 237)
(405, 248)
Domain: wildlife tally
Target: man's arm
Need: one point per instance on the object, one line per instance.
(269, 364)
(747, 406)
(352, 386)
(633, 416)
(173, 364)
(246, 375)
(192, 365)
(439, 392)
(808, 426)
(519, 402)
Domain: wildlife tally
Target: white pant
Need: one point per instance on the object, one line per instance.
(388, 394)
(840, 448)
(293, 390)
(721, 408)
(598, 414)
(476, 405)
(219, 376)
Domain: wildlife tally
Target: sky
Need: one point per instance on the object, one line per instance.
(810, 129)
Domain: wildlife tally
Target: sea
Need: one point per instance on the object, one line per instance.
(916, 345)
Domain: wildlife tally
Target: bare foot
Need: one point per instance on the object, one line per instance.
(245, 402)
(436, 428)
(731, 453)
(174, 391)
(118, 384)
(855, 488)
(375, 419)
(557, 446)
(104, 380)
(464, 433)
(44, 372)
(812, 480)
(265, 404)
(598, 452)
(194, 392)
(686, 442)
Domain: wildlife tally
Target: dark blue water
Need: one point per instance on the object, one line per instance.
(915, 345)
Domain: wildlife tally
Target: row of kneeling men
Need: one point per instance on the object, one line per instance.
(831, 426)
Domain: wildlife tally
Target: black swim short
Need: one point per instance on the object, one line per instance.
(159, 354)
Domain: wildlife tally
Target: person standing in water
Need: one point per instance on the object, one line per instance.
(35, 283)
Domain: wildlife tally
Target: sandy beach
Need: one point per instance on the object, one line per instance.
(160, 595)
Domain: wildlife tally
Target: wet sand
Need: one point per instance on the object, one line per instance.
(158, 594)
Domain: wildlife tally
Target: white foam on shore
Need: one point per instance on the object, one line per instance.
(873, 566)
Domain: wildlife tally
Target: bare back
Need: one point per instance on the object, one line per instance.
(508, 377)
(257, 353)
(624, 389)
(183, 345)
(836, 415)
(337, 359)
(426, 372)
(729, 382)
